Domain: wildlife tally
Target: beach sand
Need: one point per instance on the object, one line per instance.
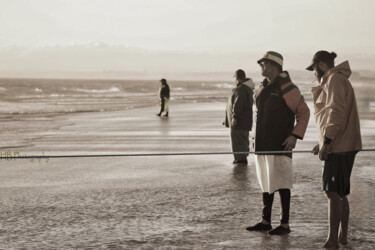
(162, 202)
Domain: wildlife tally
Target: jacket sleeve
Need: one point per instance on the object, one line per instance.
(336, 105)
(226, 121)
(296, 103)
(239, 101)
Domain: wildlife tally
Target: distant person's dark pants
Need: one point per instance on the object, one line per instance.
(240, 142)
(285, 205)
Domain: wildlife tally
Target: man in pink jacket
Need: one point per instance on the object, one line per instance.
(337, 121)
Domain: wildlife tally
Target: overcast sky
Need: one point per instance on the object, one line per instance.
(215, 26)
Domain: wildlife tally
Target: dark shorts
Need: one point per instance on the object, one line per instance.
(336, 172)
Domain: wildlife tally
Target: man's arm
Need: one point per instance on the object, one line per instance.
(296, 103)
(238, 104)
(336, 105)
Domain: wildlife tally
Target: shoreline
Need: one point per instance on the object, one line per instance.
(52, 122)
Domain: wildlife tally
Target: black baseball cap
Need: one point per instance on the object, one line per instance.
(321, 56)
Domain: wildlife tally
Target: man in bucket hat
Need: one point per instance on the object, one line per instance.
(337, 121)
(279, 103)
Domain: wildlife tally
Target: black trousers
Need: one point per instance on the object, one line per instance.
(285, 205)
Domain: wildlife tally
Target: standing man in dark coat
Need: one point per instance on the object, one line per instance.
(282, 118)
(164, 98)
(239, 115)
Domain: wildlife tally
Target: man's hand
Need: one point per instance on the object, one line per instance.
(323, 153)
(290, 143)
(316, 149)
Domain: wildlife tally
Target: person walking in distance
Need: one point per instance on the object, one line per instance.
(279, 104)
(338, 125)
(164, 98)
(239, 115)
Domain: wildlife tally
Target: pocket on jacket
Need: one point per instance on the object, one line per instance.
(320, 102)
(322, 98)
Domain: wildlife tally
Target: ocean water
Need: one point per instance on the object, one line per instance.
(52, 96)
(27, 105)
(36, 96)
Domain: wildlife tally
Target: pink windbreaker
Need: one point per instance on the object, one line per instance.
(336, 110)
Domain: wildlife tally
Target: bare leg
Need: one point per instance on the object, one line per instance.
(334, 216)
(343, 235)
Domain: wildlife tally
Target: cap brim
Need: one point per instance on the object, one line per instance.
(311, 67)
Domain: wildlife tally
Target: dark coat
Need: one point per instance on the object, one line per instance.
(278, 104)
(240, 106)
(164, 91)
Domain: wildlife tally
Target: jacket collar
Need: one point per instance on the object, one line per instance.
(245, 80)
(282, 78)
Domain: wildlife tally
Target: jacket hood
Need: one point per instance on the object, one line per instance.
(343, 68)
(249, 82)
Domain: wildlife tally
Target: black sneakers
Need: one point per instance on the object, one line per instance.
(280, 230)
(260, 227)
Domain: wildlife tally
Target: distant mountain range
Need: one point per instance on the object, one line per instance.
(100, 60)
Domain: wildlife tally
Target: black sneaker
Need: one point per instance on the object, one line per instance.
(240, 162)
(260, 227)
(158, 114)
(280, 230)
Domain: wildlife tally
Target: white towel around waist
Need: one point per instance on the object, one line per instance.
(274, 172)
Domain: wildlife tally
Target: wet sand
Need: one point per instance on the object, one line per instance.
(174, 202)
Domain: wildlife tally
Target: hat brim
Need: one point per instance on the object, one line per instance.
(270, 60)
(311, 67)
(260, 60)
